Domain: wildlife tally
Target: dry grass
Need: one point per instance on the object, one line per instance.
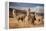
(13, 23)
(16, 24)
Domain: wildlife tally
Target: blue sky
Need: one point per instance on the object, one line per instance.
(27, 5)
(23, 6)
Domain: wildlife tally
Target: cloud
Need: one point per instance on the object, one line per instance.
(38, 9)
(34, 9)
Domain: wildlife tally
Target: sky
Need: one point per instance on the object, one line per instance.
(26, 5)
(32, 6)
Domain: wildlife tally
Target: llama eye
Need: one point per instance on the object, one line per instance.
(39, 19)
